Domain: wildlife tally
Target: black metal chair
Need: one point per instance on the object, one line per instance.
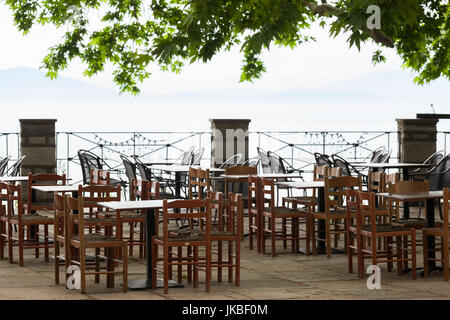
(89, 160)
(376, 153)
(130, 169)
(3, 165)
(186, 157)
(15, 169)
(264, 160)
(434, 159)
(343, 164)
(197, 156)
(323, 159)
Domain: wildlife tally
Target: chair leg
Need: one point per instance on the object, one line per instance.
(446, 258)
(284, 232)
(425, 253)
(238, 263)
(10, 243)
(195, 266)
(272, 235)
(220, 260)
(36, 239)
(21, 241)
(97, 265)
(131, 239)
(56, 260)
(46, 245)
(349, 252)
(125, 266)
(82, 252)
(166, 269)
(413, 254)
(399, 244)
(328, 237)
(154, 262)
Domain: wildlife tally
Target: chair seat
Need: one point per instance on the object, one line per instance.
(32, 218)
(183, 238)
(416, 223)
(99, 221)
(280, 210)
(381, 228)
(214, 232)
(94, 237)
(46, 205)
(302, 199)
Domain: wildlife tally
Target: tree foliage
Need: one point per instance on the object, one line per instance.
(137, 35)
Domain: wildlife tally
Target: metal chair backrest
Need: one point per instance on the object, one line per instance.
(88, 161)
(384, 157)
(197, 156)
(3, 165)
(144, 171)
(186, 157)
(437, 173)
(264, 160)
(376, 153)
(130, 168)
(15, 169)
(341, 163)
(323, 159)
(233, 161)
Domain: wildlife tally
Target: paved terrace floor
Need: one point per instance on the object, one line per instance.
(286, 276)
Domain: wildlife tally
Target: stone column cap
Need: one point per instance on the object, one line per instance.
(37, 120)
(417, 121)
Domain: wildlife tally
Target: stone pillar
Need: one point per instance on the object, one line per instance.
(229, 137)
(416, 139)
(37, 143)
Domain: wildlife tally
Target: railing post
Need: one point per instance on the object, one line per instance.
(7, 150)
(68, 153)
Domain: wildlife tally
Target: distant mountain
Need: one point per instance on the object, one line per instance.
(25, 84)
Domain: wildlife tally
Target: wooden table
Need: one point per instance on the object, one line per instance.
(149, 206)
(14, 179)
(320, 186)
(430, 198)
(405, 173)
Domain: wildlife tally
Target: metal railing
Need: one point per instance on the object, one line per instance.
(296, 147)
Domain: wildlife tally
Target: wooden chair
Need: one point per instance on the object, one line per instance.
(228, 230)
(239, 185)
(59, 235)
(101, 177)
(319, 174)
(254, 213)
(266, 190)
(335, 211)
(374, 230)
(406, 187)
(199, 183)
(74, 210)
(25, 222)
(442, 232)
(184, 209)
(41, 179)
(3, 218)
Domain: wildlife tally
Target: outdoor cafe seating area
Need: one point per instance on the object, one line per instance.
(188, 223)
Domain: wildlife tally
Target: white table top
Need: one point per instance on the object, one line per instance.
(391, 165)
(263, 175)
(12, 179)
(413, 196)
(303, 184)
(73, 188)
(180, 168)
(134, 205)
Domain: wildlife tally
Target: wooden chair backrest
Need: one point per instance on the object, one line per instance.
(235, 213)
(101, 177)
(93, 194)
(144, 190)
(335, 190)
(14, 194)
(407, 187)
(334, 172)
(3, 197)
(320, 172)
(48, 179)
(253, 201)
(199, 181)
(187, 209)
(59, 214)
(376, 181)
(366, 206)
(446, 210)
(237, 170)
(74, 210)
(266, 192)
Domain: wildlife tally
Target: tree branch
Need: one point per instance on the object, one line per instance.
(326, 9)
